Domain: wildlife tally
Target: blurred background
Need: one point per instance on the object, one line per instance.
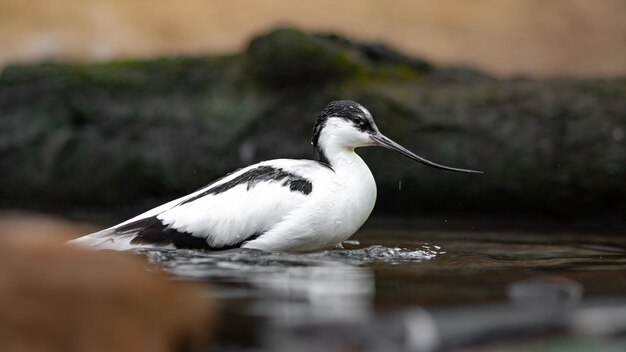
(561, 37)
(109, 108)
(169, 96)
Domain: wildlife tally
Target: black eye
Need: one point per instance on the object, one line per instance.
(362, 124)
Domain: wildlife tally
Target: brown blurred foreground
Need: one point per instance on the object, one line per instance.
(59, 298)
(35, 228)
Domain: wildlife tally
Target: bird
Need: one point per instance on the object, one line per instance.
(281, 205)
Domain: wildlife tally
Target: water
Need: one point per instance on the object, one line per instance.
(338, 298)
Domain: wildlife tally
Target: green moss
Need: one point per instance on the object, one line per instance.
(289, 58)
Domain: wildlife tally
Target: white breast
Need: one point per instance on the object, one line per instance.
(340, 203)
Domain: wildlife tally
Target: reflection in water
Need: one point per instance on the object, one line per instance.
(329, 292)
(478, 286)
(292, 288)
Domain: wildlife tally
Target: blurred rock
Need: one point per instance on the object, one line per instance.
(549, 291)
(59, 298)
(287, 56)
(137, 133)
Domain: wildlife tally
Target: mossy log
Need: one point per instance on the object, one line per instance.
(134, 133)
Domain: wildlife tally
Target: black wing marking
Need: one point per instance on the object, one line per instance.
(152, 231)
(251, 177)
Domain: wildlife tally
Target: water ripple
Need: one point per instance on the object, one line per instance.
(260, 261)
(381, 254)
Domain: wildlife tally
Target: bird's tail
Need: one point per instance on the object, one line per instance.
(105, 239)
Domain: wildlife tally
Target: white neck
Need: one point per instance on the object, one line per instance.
(342, 158)
(336, 145)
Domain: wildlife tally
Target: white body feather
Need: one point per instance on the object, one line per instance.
(339, 203)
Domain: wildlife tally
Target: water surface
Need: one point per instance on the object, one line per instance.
(307, 301)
